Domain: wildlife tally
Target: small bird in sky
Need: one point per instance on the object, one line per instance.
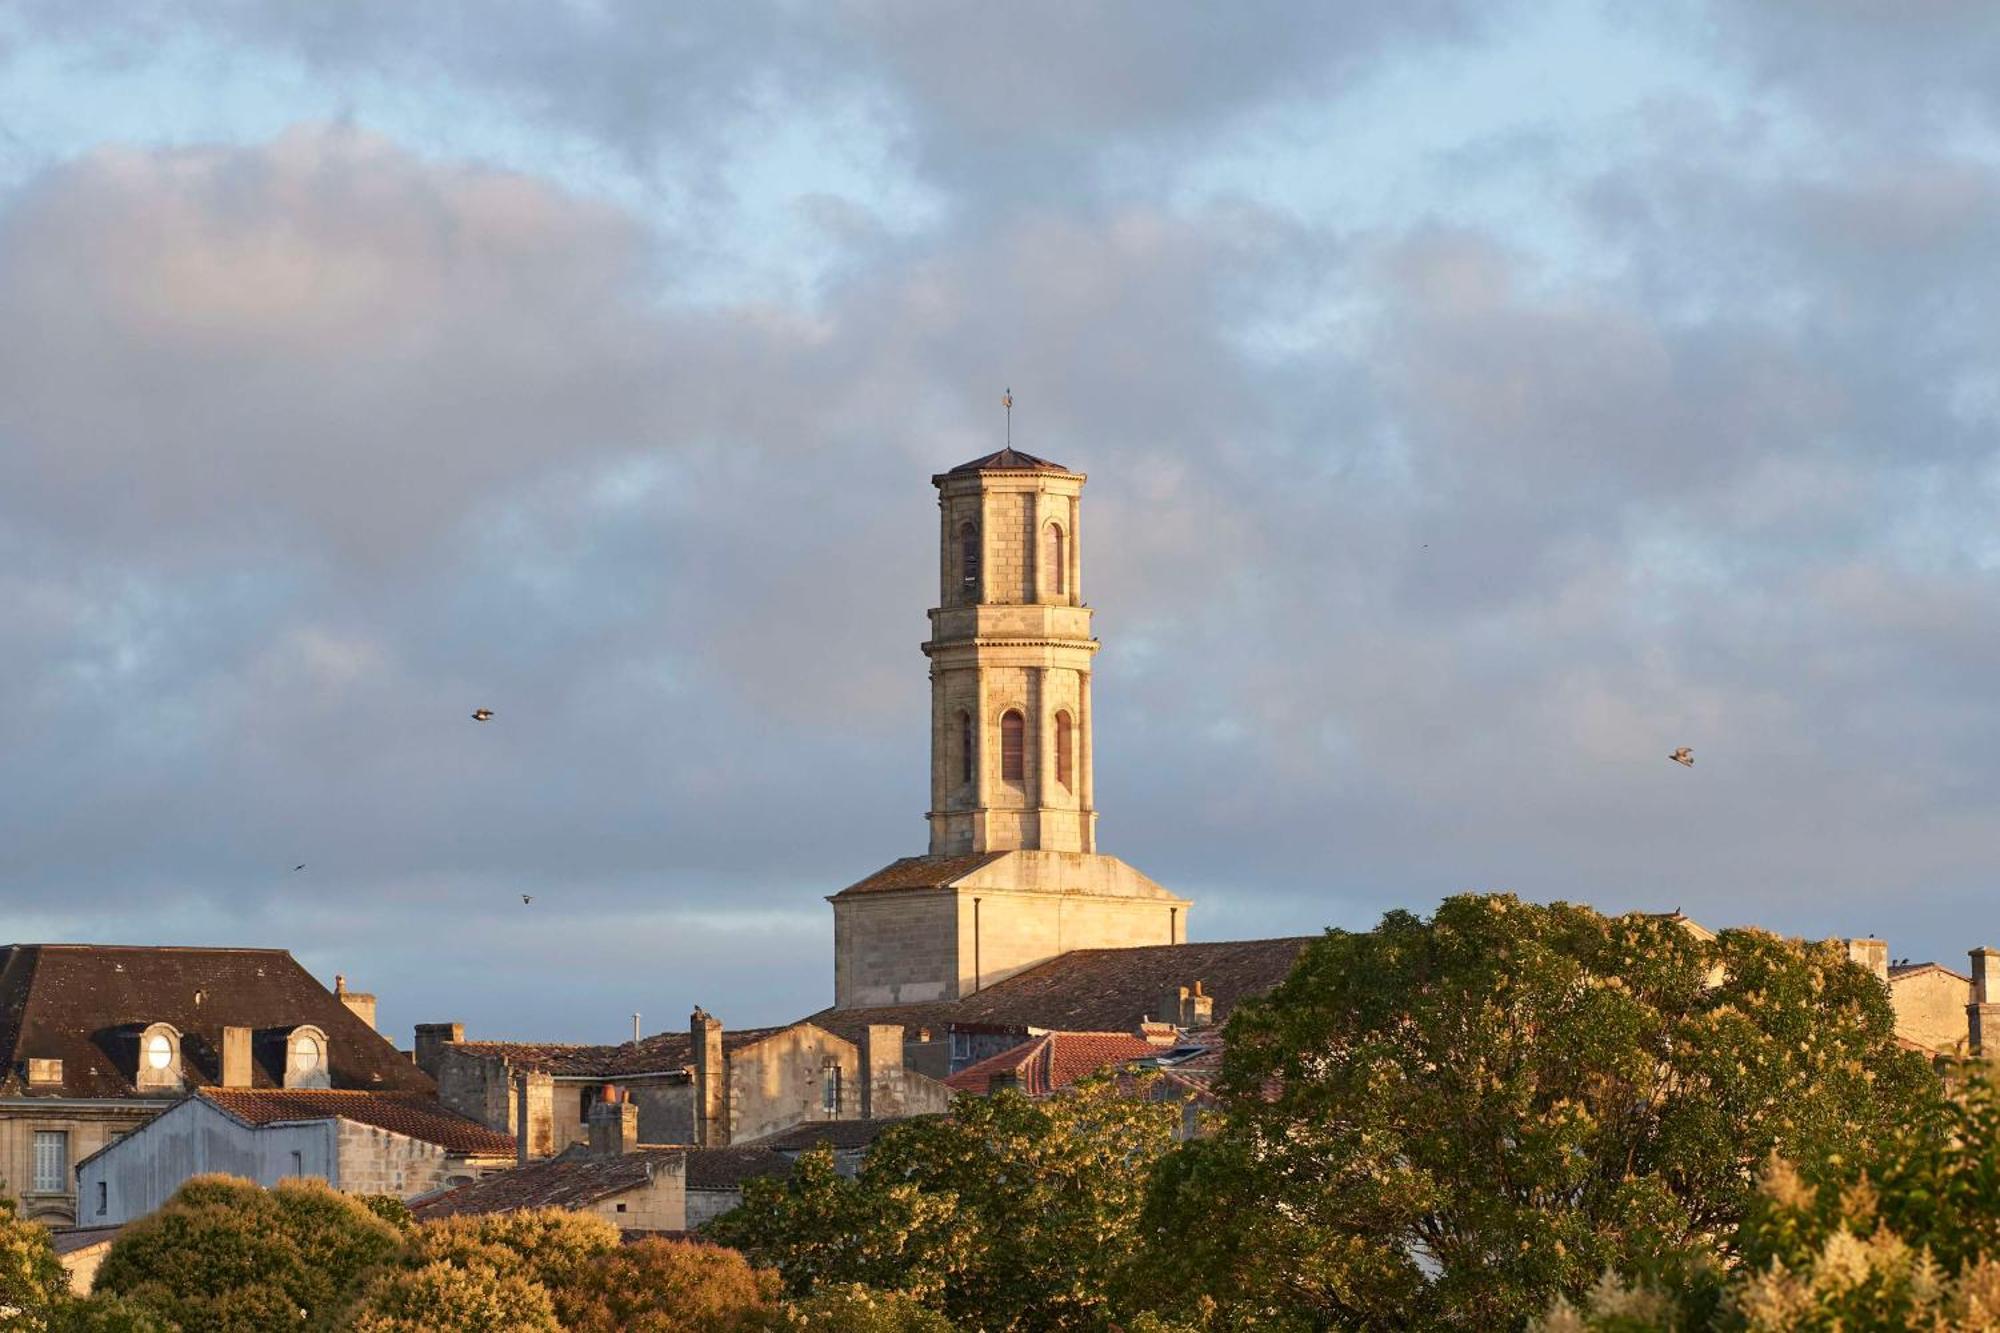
(1683, 756)
(482, 715)
(300, 866)
(527, 897)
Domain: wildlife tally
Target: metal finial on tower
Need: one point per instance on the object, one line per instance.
(1007, 401)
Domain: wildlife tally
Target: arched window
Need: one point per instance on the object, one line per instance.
(1055, 562)
(1012, 764)
(968, 558)
(1065, 749)
(965, 747)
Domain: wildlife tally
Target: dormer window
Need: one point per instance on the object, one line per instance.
(159, 1057)
(305, 1059)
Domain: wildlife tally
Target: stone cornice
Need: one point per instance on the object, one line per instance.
(929, 646)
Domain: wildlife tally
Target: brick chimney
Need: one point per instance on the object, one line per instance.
(711, 1092)
(882, 1071)
(431, 1040)
(614, 1124)
(1982, 1016)
(1158, 1034)
(361, 1003)
(236, 1057)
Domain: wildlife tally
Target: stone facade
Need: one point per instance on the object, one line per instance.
(1930, 1002)
(1012, 877)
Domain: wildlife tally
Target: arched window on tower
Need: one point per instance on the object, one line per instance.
(1055, 561)
(968, 559)
(964, 747)
(1012, 765)
(1065, 749)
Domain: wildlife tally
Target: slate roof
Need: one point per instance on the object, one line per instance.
(1897, 971)
(1053, 1061)
(70, 1240)
(84, 1004)
(556, 1182)
(1010, 459)
(1094, 990)
(728, 1168)
(664, 1052)
(414, 1115)
(920, 872)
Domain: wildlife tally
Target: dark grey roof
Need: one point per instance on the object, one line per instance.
(85, 1004)
(1010, 459)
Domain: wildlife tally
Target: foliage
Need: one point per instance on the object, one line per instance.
(1919, 1250)
(446, 1297)
(32, 1280)
(856, 1309)
(391, 1210)
(1005, 1214)
(1450, 1122)
(107, 1314)
(662, 1286)
(550, 1246)
(224, 1254)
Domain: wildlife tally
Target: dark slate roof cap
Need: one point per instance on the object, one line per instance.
(1009, 459)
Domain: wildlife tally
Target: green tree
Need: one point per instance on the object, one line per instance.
(551, 1247)
(446, 1297)
(1008, 1213)
(108, 1314)
(225, 1254)
(32, 1281)
(1446, 1123)
(856, 1309)
(663, 1286)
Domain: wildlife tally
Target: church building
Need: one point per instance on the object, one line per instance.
(1013, 876)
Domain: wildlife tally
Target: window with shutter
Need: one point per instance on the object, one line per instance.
(1064, 754)
(51, 1161)
(1012, 763)
(1055, 563)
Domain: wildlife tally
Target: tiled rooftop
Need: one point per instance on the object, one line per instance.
(1054, 1061)
(1010, 459)
(664, 1052)
(412, 1114)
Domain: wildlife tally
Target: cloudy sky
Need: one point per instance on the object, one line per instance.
(1480, 401)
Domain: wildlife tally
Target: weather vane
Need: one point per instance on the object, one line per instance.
(1007, 401)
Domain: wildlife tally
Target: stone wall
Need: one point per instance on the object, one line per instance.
(89, 1127)
(661, 1205)
(895, 948)
(1930, 1007)
(377, 1161)
(780, 1082)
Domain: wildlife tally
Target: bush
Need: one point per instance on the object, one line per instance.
(443, 1297)
(857, 1309)
(663, 1286)
(32, 1281)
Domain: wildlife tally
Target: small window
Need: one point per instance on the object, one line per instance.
(298, 1162)
(103, 1198)
(51, 1161)
(159, 1051)
(964, 747)
(621, 1207)
(968, 558)
(306, 1052)
(1012, 761)
(829, 1088)
(1065, 749)
(1055, 562)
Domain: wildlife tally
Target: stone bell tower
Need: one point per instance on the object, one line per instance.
(1013, 876)
(1010, 652)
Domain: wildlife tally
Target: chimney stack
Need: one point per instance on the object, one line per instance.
(881, 1071)
(1982, 1016)
(1872, 954)
(431, 1040)
(614, 1124)
(360, 1003)
(711, 1095)
(236, 1057)
(534, 1115)
(1189, 1007)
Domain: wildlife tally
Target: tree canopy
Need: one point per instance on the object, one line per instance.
(1447, 1122)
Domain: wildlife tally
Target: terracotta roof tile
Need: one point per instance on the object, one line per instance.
(84, 1004)
(665, 1052)
(570, 1181)
(415, 1115)
(920, 872)
(1054, 1061)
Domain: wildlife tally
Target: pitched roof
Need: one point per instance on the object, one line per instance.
(414, 1115)
(1053, 1061)
(1897, 971)
(570, 1181)
(662, 1053)
(85, 1004)
(727, 1168)
(1095, 990)
(920, 872)
(1010, 459)
(833, 1133)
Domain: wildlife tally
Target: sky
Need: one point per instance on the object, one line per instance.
(1481, 400)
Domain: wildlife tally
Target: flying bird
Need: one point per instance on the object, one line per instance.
(482, 715)
(1683, 756)
(527, 897)
(300, 866)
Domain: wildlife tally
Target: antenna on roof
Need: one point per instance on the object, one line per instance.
(1007, 401)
